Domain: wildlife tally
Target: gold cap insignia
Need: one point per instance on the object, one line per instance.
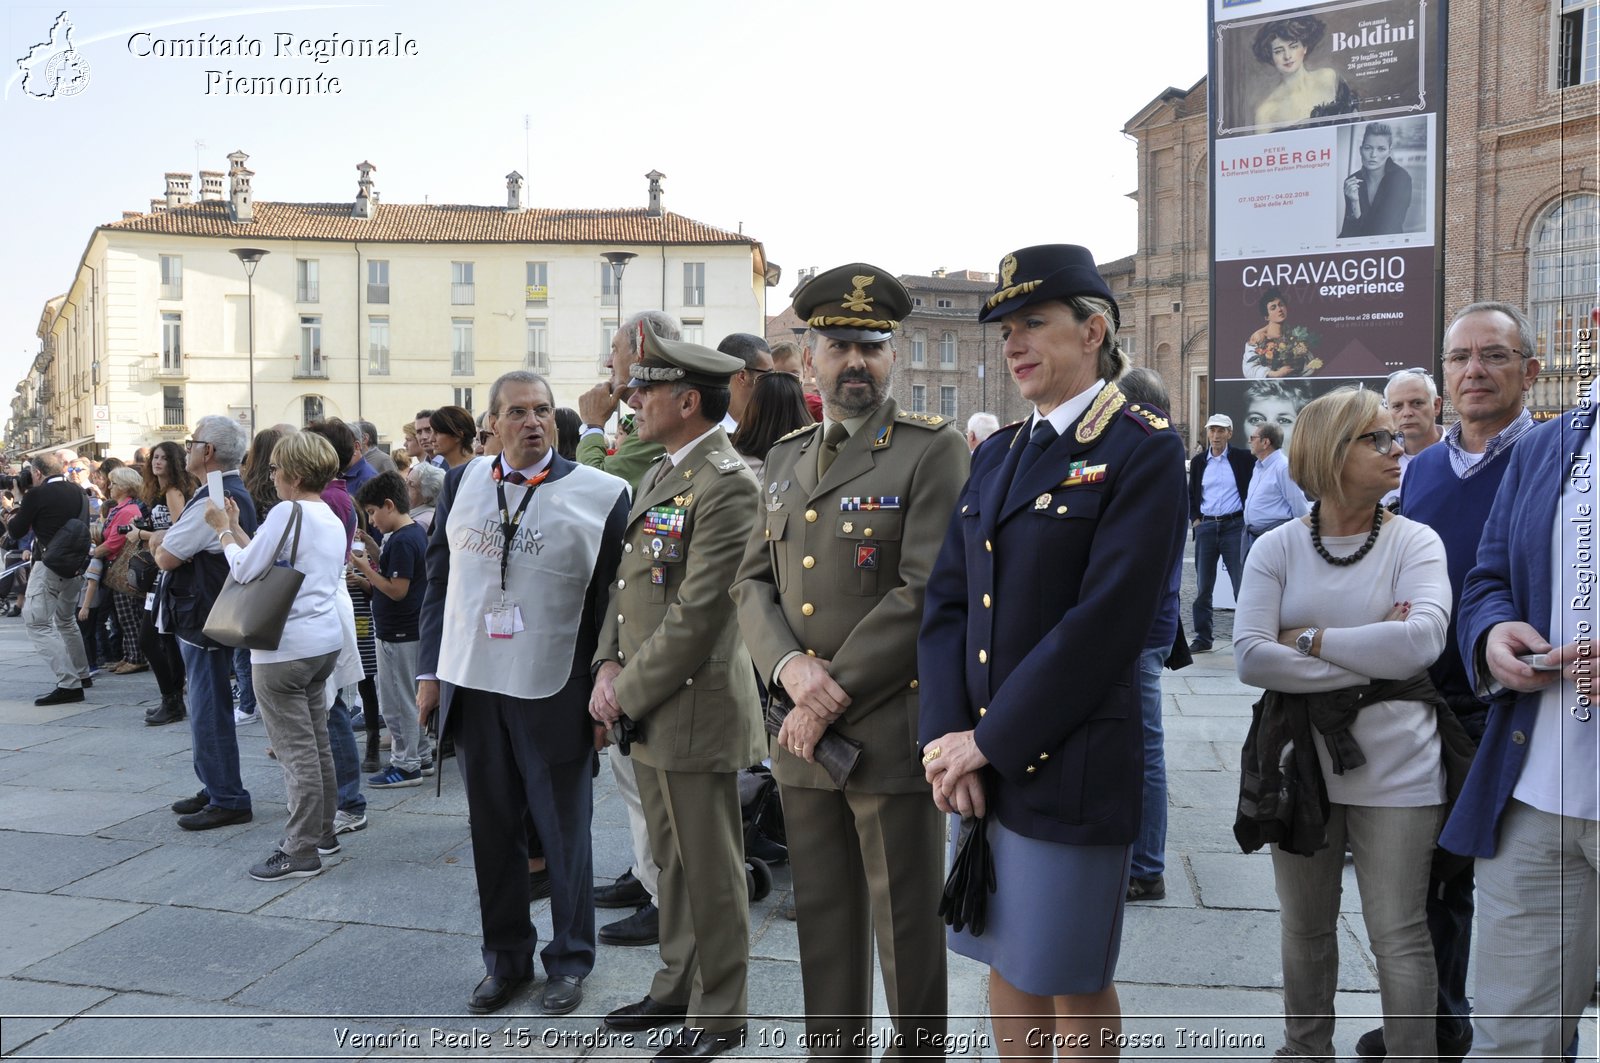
(859, 301)
(1008, 269)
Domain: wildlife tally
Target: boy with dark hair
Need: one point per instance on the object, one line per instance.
(398, 584)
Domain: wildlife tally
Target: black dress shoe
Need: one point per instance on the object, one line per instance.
(1199, 646)
(1147, 889)
(641, 928)
(188, 806)
(492, 993)
(562, 994)
(212, 816)
(539, 884)
(60, 696)
(646, 1015)
(625, 892)
(694, 1042)
(1451, 1049)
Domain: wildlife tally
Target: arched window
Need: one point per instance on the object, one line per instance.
(1564, 249)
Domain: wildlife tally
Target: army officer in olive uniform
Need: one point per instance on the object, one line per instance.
(830, 598)
(671, 660)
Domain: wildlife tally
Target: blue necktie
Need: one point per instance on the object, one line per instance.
(1044, 434)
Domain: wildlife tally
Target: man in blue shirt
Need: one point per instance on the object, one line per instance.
(1274, 498)
(1219, 480)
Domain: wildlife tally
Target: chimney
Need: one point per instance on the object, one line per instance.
(939, 272)
(242, 205)
(211, 186)
(367, 197)
(654, 177)
(178, 189)
(513, 191)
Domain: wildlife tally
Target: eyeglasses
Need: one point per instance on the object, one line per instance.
(484, 435)
(1488, 357)
(518, 414)
(190, 444)
(1383, 440)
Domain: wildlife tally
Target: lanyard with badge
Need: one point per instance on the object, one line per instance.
(504, 618)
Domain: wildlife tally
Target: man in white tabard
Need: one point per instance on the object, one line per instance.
(531, 541)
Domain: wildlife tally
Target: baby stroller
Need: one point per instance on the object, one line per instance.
(764, 838)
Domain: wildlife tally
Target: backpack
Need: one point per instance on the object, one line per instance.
(68, 553)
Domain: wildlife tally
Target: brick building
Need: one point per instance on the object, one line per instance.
(1521, 203)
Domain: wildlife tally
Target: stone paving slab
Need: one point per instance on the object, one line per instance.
(379, 893)
(1192, 756)
(29, 735)
(1213, 705)
(185, 877)
(33, 808)
(1214, 791)
(52, 1004)
(1203, 947)
(38, 927)
(41, 863)
(186, 952)
(52, 768)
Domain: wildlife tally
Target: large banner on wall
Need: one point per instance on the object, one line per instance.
(1326, 148)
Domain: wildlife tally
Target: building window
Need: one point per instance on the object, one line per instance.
(461, 346)
(947, 350)
(461, 283)
(311, 408)
(919, 398)
(607, 333)
(305, 275)
(694, 332)
(172, 279)
(539, 346)
(694, 284)
(1565, 248)
(311, 346)
(538, 290)
(947, 402)
(1578, 43)
(378, 346)
(916, 300)
(172, 405)
(464, 398)
(608, 284)
(378, 280)
(945, 304)
(171, 344)
(919, 348)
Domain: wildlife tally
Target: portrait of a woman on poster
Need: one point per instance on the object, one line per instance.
(1303, 92)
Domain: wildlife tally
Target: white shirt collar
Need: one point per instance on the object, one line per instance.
(687, 447)
(1062, 416)
(532, 470)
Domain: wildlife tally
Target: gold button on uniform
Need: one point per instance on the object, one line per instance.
(689, 682)
(807, 609)
(1032, 769)
(621, 619)
(983, 655)
(1044, 756)
(867, 533)
(811, 653)
(768, 533)
(811, 516)
(1061, 509)
(627, 548)
(987, 601)
(809, 562)
(913, 684)
(987, 545)
(983, 710)
(622, 584)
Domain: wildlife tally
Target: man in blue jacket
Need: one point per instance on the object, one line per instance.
(1530, 810)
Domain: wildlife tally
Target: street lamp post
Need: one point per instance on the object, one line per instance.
(250, 257)
(619, 261)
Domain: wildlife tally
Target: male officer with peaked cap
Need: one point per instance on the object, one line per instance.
(671, 661)
(830, 598)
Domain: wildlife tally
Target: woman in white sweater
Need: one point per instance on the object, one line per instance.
(290, 680)
(1330, 602)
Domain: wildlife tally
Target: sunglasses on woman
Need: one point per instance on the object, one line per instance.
(1383, 440)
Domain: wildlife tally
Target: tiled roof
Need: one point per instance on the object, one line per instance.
(429, 223)
(1115, 266)
(947, 283)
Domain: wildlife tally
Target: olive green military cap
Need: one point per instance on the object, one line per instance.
(663, 361)
(857, 302)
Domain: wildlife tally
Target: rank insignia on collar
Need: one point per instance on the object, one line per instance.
(1100, 413)
(882, 439)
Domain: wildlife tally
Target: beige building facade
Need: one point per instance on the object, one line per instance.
(362, 310)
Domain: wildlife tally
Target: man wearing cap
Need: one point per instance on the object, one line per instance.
(672, 670)
(830, 597)
(1219, 481)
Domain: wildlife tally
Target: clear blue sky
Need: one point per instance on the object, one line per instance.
(913, 135)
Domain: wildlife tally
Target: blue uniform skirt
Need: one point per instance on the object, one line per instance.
(1055, 917)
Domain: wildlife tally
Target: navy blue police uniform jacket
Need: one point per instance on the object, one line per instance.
(1038, 607)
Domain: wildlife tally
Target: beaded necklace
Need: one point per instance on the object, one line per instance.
(1366, 547)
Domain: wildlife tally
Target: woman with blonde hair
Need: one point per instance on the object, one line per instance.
(290, 681)
(1340, 614)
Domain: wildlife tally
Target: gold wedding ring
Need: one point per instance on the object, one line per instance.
(931, 755)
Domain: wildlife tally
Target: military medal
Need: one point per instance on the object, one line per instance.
(867, 556)
(869, 503)
(658, 574)
(655, 547)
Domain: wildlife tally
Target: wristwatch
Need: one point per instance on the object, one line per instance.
(1304, 640)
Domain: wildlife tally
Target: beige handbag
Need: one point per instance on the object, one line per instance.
(251, 615)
